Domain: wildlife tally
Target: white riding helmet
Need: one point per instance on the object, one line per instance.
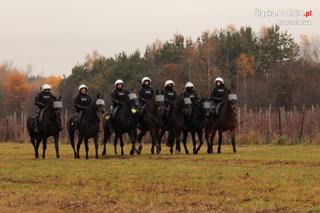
(167, 82)
(189, 84)
(119, 81)
(145, 79)
(219, 79)
(46, 86)
(82, 86)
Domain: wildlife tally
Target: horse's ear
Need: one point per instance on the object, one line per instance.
(98, 95)
(60, 97)
(157, 92)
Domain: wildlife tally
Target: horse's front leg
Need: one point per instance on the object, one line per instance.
(80, 138)
(133, 138)
(206, 134)
(71, 136)
(140, 136)
(121, 144)
(96, 145)
(184, 141)
(219, 141)
(36, 148)
(154, 141)
(115, 143)
(86, 144)
(56, 145)
(199, 132)
(44, 147)
(213, 134)
(194, 142)
(233, 140)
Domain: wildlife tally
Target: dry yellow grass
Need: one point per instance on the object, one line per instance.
(257, 178)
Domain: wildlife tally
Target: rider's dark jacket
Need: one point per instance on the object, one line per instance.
(218, 93)
(119, 96)
(170, 95)
(146, 93)
(82, 101)
(43, 99)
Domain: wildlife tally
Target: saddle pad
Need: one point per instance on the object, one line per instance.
(100, 102)
(132, 96)
(187, 101)
(206, 105)
(57, 104)
(159, 98)
(232, 97)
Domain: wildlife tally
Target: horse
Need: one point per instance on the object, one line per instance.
(48, 126)
(226, 120)
(152, 120)
(175, 124)
(124, 121)
(194, 125)
(88, 127)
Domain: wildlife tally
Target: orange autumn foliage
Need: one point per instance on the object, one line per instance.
(17, 89)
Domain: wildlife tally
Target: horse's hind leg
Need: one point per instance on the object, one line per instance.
(219, 141)
(86, 145)
(233, 140)
(44, 147)
(71, 136)
(56, 145)
(184, 141)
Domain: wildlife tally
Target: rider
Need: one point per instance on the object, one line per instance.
(42, 100)
(118, 96)
(81, 103)
(218, 92)
(169, 96)
(146, 93)
(190, 92)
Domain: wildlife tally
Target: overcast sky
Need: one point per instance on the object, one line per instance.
(53, 35)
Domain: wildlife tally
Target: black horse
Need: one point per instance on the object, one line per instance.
(124, 121)
(49, 126)
(226, 120)
(88, 127)
(175, 124)
(208, 118)
(152, 120)
(194, 125)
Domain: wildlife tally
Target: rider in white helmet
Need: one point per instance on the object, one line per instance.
(170, 95)
(81, 102)
(119, 94)
(218, 92)
(42, 100)
(146, 93)
(190, 92)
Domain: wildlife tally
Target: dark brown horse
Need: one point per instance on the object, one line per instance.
(88, 127)
(226, 120)
(176, 122)
(152, 120)
(49, 126)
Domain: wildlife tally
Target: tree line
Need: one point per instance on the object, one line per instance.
(264, 67)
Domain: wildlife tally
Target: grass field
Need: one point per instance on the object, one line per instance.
(257, 178)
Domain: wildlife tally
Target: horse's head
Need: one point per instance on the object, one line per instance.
(160, 104)
(100, 104)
